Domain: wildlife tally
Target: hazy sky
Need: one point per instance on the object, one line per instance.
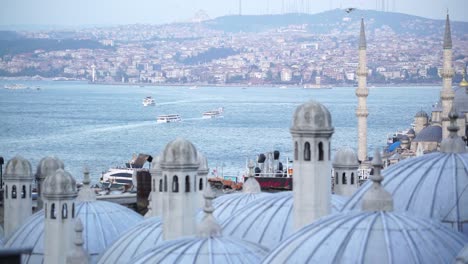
(110, 12)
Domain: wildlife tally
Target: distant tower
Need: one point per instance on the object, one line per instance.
(345, 166)
(447, 94)
(93, 73)
(179, 164)
(47, 166)
(421, 120)
(311, 131)
(59, 193)
(362, 92)
(17, 200)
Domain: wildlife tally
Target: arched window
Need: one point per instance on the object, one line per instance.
(6, 191)
(53, 214)
(23, 192)
(352, 177)
(175, 184)
(187, 183)
(73, 210)
(30, 191)
(200, 185)
(307, 151)
(296, 151)
(329, 151)
(160, 185)
(336, 177)
(154, 185)
(165, 183)
(45, 210)
(64, 211)
(320, 151)
(13, 192)
(343, 180)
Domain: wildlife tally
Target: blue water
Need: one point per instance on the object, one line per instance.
(101, 126)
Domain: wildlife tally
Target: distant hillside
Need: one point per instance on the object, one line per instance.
(335, 20)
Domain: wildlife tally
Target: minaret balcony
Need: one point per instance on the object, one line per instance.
(362, 92)
(362, 72)
(362, 112)
(447, 73)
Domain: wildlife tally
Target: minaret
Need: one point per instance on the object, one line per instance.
(78, 254)
(447, 94)
(362, 92)
(453, 143)
(311, 131)
(17, 196)
(179, 164)
(47, 166)
(59, 193)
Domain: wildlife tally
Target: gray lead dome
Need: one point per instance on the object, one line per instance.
(312, 116)
(61, 183)
(345, 157)
(370, 237)
(180, 152)
(18, 168)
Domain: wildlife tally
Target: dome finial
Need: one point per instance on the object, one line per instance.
(377, 198)
(453, 143)
(209, 227)
(251, 184)
(78, 254)
(86, 194)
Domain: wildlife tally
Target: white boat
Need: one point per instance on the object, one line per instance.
(168, 118)
(213, 113)
(15, 86)
(117, 177)
(148, 101)
(193, 87)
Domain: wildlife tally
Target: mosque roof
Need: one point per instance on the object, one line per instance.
(370, 237)
(203, 250)
(421, 114)
(429, 134)
(267, 221)
(103, 223)
(226, 205)
(136, 240)
(345, 157)
(432, 185)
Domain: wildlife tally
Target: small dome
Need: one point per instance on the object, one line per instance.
(429, 134)
(48, 166)
(411, 132)
(204, 250)
(462, 257)
(312, 116)
(432, 185)
(345, 157)
(226, 205)
(60, 183)
(145, 235)
(178, 153)
(18, 168)
(103, 223)
(269, 220)
(421, 114)
(370, 237)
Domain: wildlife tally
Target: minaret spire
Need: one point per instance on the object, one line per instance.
(362, 92)
(208, 227)
(447, 94)
(377, 198)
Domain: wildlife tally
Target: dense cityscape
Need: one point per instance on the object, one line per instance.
(201, 52)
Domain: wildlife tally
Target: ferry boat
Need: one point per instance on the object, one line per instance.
(168, 118)
(213, 113)
(124, 176)
(15, 86)
(148, 101)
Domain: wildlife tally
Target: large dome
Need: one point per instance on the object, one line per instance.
(204, 250)
(433, 185)
(226, 205)
(134, 241)
(269, 220)
(103, 223)
(370, 237)
(179, 152)
(312, 116)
